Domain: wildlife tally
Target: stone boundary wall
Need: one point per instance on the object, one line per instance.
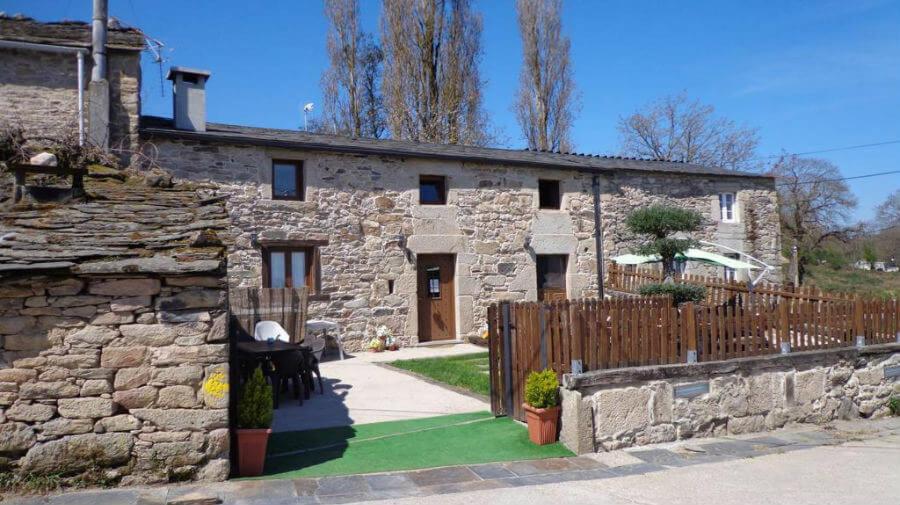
(125, 374)
(612, 409)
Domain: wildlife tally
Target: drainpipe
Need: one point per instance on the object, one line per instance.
(48, 48)
(98, 89)
(598, 235)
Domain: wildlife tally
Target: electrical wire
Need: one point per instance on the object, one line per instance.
(816, 181)
(829, 150)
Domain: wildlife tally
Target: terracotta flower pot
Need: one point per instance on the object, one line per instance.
(541, 424)
(252, 451)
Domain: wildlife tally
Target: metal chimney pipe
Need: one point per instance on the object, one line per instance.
(98, 39)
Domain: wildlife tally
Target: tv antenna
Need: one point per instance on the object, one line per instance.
(306, 110)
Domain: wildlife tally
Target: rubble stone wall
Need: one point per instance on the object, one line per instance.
(39, 92)
(359, 206)
(126, 374)
(750, 395)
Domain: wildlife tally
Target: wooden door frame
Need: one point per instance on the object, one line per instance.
(420, 299)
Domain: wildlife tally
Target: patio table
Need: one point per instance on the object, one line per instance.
(260, 348)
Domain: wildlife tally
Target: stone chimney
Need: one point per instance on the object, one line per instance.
(189, 98)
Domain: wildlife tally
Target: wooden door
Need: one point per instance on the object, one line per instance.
(551, 277)
(437, 317)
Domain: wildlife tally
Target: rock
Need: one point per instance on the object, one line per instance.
(79, 452)
(85, 311)
(183, 317)
(26, 342)
(126, 287)
(123, 357)
(53, 373)
(30, 413)
(219, 330)
(130, 304)
(177, 397)
(60, 427)
(130, 378)
(189, 375)
(135, 398)
(93, 335)
(86, 408)
(217, 443)
(215, 389)
(113, 318)
(215, 470)
(158, 335)
(176, 355)
(75, 361)
(48, 390)
(749, 424)
(66, 287)
(194, 281)
(35, 362)
(15, 324)
(16, 438)
(184, 419)
(175, 454)
(78, 301)
(809, 386)
(17, 375)
(146, 318)
(96, 387)
(870, 377)
(621, 410)
(44, 159)
(123, 422)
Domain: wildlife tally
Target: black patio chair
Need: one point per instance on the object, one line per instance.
(313, 356)
(288, 366)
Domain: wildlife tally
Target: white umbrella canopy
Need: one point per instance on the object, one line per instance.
(690, 255)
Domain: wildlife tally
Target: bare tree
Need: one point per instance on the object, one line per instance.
(431, 84)
(815, 204)
(547, 99)
(351, 84)
(888, 213)
(678, 129)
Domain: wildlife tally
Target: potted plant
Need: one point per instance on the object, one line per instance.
(376, 345)
(542, 406)
(254, 424)
(387, 338)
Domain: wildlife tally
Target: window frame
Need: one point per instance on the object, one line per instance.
(558, 197)
(723, 208)
(312, 266)
(299, 181)
(441, 181)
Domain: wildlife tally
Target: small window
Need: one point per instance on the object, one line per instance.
(730, 274)
(285, 267)
(548, 194)
(433, 275)
(432, 190)
(287, 180)
(726, 205)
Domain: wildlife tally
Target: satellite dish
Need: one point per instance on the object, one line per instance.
(308, 107)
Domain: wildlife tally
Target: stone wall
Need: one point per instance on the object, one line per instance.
(607, 410)
(126, 374)
(39, 91)
(357, 206)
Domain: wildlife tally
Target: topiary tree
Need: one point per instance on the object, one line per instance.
(255, 405)
(658, 222)
(542, 389)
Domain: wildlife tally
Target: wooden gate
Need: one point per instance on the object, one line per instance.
(286, 306)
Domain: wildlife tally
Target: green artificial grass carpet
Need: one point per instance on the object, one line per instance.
(458, 439)
(468, 371)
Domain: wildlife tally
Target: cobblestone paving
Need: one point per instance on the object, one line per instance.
(421, 483)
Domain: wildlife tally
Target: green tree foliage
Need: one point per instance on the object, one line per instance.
(255, 405)
(658, 222)
(870, 256)
(542, 389)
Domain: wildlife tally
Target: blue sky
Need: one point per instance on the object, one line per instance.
(809, 75)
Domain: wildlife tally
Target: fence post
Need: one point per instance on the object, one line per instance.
(543, 333)
(507, 360)
(690, 331)
(859, 328)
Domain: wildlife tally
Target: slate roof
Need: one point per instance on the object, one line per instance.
(66, 33)
(121, 225)
(152, 126)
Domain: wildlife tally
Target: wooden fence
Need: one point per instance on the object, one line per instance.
(525, 337)
(286, 306)
(718, 291)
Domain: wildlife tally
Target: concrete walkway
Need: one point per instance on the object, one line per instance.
(359, 391)
(846, 462)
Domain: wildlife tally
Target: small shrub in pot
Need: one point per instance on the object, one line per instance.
(254, 421)
(680, 293)
(542, 406)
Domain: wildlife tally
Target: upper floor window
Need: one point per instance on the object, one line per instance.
(548, 194)
(432, 190)
(287, 180)
(290, 267)
(728, 207)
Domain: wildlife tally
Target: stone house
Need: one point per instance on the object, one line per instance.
(422, 238)
(113, 331)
